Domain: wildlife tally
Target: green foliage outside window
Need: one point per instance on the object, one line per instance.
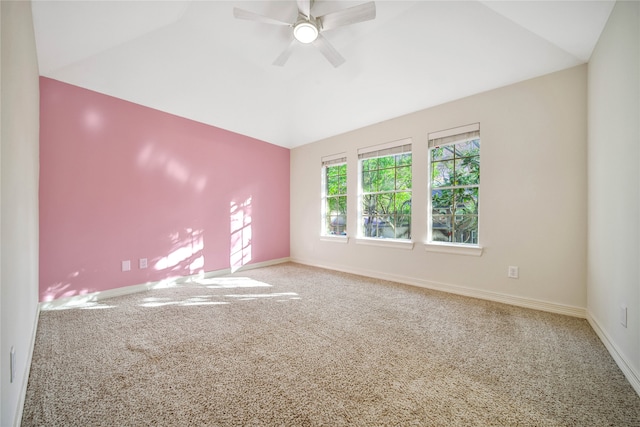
(336, 199)
(455, 181)
(386, 196)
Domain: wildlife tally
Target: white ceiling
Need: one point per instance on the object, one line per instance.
(193, 59)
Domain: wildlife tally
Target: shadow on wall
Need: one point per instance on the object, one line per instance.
(65, 289)
(185, 255)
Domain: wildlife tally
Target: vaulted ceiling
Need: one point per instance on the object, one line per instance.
(195, 60)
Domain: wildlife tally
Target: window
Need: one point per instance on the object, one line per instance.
(454, 160)
(385, 191)
(334, 209)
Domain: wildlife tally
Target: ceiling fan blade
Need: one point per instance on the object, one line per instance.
(252, 16)
(348, 16)
(304, 6)
(284, 56)
(328, 51)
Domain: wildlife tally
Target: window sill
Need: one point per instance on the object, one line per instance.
(335, 239)
(389, 243)
(452, 248)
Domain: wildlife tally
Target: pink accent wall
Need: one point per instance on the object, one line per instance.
(119, 181)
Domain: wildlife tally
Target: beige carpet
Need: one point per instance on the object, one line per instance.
(291, 345)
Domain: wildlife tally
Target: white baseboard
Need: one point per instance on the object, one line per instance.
(25, 380)
(621, 360)
(82, 300)
(458, 290)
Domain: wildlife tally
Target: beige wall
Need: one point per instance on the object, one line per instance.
(614, 187)
(532, 206)
(18, 202)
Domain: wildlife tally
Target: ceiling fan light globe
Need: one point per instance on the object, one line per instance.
(305, 32)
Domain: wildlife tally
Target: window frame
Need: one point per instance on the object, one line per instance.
(435, 140)
(326, 162)
(394, 148)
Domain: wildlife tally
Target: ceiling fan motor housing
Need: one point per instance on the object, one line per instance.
(306, 30)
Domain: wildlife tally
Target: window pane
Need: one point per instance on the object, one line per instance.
(466, 200)
(336, 215)
(386, 162)
(384, 203)
(399, 227)
(330, 179)
(467, 149)
(342, 184)
(369, 164)
(454, 214)
(387, 178)
(442, 153)
(369, 204)
(335, 180)
(369, 181)
(337, 225)
(332, 205)
(335, 203)
(441, 201)
(403, 178)
(387, 213)
(441, 228)
(403, 159)
(403, 203)
(442, 173)
(466, 229)
(371, 226)
(402, 220)
(467, 171)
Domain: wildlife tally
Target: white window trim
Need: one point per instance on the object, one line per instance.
(448, 247)
(453, 248)
(334, 239)
(388, 243)
(331, 160)
(385, 149)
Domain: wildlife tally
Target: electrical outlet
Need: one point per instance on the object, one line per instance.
(623, 315)
(513, 272)
(142, 263)
(12, 364)
(126, 265)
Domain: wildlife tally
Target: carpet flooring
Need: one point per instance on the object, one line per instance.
(292, 345)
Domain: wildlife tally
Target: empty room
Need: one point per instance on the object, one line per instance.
(320, 212)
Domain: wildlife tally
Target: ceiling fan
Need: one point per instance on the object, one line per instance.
(308, 28)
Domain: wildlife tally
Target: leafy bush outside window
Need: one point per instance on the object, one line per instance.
(335, 203)
(455, 186)
(386, 194)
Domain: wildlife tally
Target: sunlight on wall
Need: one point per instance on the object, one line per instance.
(64, 289)
(240, 249)
(187, 254)
(154, 158)
(93, 120)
